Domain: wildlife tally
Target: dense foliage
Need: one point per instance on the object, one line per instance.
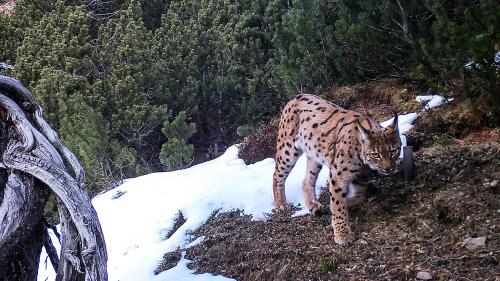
(136, 86)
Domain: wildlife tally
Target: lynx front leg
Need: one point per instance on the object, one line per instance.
(338, 207)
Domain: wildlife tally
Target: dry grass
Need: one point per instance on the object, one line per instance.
(458, 119)
(261, 144)
(403, 229)
(377, 99)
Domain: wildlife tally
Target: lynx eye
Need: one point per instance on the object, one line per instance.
(375, 155)
(394, 151)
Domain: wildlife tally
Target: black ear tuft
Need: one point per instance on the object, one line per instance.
(394, 124)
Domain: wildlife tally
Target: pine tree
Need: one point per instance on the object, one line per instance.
(126, 94)
(176, 153)
(217, 62)
(26, 14)
(373, 38)
(54, 59)
(305, 65)
(55, 62)
(7, 40)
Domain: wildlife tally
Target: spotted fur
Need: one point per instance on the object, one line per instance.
(347, 142)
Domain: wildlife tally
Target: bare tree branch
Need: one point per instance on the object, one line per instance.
(50, 249)
(405, 26)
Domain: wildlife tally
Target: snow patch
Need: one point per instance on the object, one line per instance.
(45, 270)
(195, 242)
(405, 122)
(181, 273)
(135, 223)
(433, 101)
(300, 213)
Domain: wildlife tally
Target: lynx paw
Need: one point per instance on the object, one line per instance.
(344, 239)
(320, 211)
(316, 208)
(279, 205)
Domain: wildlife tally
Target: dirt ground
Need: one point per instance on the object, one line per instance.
(419, 230)
(402, 230)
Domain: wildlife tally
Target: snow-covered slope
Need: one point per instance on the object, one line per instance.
(136, 216)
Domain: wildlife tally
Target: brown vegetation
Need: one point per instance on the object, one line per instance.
(404, 229)
(261, 144)
(378, 99)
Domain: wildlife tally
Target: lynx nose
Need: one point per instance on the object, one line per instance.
(389, 169)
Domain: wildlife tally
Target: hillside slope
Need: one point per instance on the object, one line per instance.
(443, 225)
(404, 229)
(217, 217)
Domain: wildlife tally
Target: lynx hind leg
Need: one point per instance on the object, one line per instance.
(286, 153)
(308, 188)
(356, 193)
(286, 157)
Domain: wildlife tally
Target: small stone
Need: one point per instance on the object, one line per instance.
(424, 275)
(363, 242)
(494, 183)
(282, 272)
(474, 243)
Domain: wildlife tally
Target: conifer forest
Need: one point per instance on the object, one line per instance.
(140, 86)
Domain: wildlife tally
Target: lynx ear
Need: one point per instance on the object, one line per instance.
(363, 133)
(394, 125)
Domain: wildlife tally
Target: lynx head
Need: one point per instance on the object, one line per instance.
(380, 149)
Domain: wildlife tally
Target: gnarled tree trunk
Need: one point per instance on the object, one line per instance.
(33, 163)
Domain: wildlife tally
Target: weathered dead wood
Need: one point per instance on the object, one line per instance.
(33, 151)
(49, 248)
(20, 213)
(6, 66)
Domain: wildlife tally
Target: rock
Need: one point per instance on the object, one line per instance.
(424, 275)
(363, 242)
(494, 183)
(282, 273)
(474, 243)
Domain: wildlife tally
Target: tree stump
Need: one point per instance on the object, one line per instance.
(33, 163)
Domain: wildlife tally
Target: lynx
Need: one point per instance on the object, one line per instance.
(347, 142)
